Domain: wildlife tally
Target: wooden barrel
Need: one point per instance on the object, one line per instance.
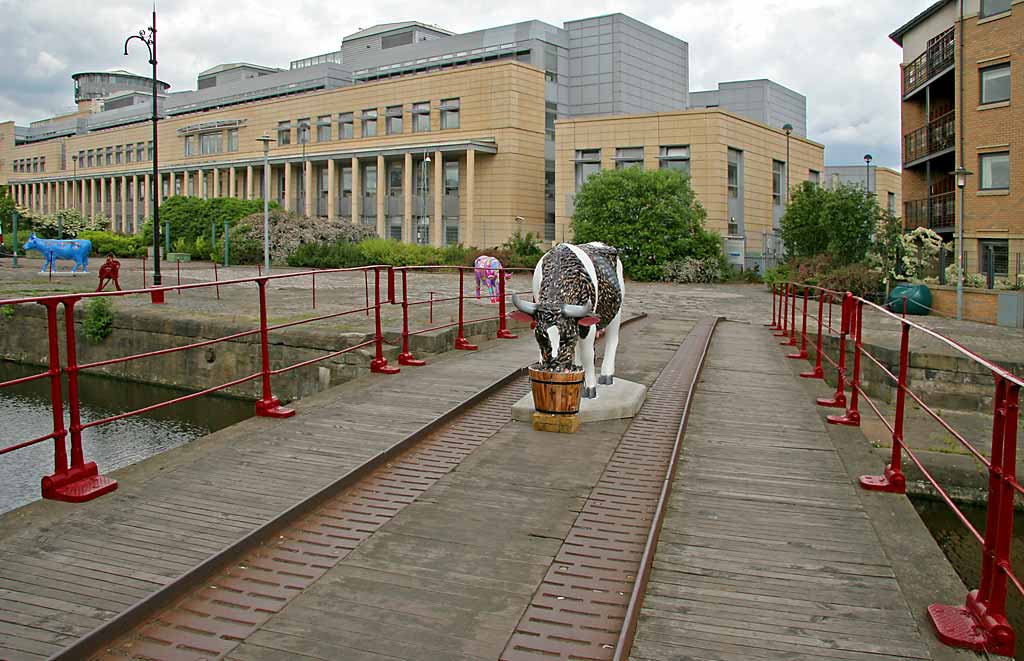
(556, 393)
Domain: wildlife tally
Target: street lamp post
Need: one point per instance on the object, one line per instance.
(867, 174)
(424, 187)
(788, 128)
(74, 182)
(150, 43)
(265, 139)
(961, 174)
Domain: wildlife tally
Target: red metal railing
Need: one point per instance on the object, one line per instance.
(981, 624)
(460, 322)
(78, 480)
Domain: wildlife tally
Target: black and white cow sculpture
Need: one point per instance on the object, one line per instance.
(577, 290)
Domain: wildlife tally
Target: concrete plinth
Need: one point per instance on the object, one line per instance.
(622, 399)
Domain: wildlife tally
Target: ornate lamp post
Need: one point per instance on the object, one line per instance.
(149, 41)
(788, 128)
(961, 174)
(266, 139)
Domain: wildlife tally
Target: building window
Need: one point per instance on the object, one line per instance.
(451, 177)
(995, 84)
(284, 133)
(588, 162)
(109, 160)
(369, 122)
(345, 126)
(393, 116)
(394, 182)
(674, 158)
(88, 158)
(450, 113)
(451, 230)
(733, 181)
(140, 152)
(629, 157)
(992, 7)
(42, 164)
(814, 177)
(421, 117)
(999, 250)
(151, 150)
(892, 202)
(232, 139)
(323, 128)
(303, 135)
(995, 171)
(64, 156)
(778, 181)
(210, 143)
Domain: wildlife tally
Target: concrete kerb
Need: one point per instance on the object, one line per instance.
(922, 570)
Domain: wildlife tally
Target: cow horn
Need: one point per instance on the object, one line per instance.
(576, 311)
(524, 306)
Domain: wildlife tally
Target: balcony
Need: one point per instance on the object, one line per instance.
(937, 212)
(935, 136)
(936, 59)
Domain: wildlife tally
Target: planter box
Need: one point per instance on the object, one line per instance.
(179, 257)
(980, 305)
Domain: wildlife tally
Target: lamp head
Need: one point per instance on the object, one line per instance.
(426, 159)
(867, 158)
(788, 128)
(961, 174)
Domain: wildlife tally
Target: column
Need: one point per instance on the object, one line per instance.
(407, 228)
(197, 183)
(68, 195)
(130, 227)
(332, 202)
(357, 192)
(81, 192)
(103, 196)
(288, 187)
(438, 228)
(145, 197)
(124, 203)
(215, 192)
(470, 188)
(170, 184)
(381, 182)
(92, 199)
(310, 199)
(249, 188)
(232, 191)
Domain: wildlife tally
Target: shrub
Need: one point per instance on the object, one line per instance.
(458, 255)
(396, 253)
(856, 278)
(777, 275)
(976, 280)
(840, 222)
(201, 248)
(809, 270)
(288, 231)
(99, 319)
(67, 222)
(120, 245)
(651, 216)
(693, 270)
(327, 255)
(192, 217)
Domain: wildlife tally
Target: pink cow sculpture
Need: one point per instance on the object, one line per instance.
(486, 270)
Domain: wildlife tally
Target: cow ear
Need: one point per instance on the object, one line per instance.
(522, 316)
(588, 320)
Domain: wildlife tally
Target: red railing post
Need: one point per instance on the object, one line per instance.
(818, 372)
(784, 307)
(314, 290)
(775, 314)
(406, 357)
(216, 278)
(82, 481)
(268, 406)
(893, 480)
(391, 285)
(503, 332)
(460, 340)
(791, 342)
(838, 400)
(380, 363)
(802, 353)
(144, 272)
(981, 624)
(366, 288)
(852, 416)
(60, 451)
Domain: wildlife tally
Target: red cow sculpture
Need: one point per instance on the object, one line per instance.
(108, 273)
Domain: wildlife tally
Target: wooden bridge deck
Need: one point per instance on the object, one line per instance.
(766, 551)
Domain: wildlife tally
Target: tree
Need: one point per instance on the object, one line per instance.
(651, 216)
(839, 222)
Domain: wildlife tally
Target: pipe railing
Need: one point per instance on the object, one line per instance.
(76, 480)
(981, 624)
(409, 303)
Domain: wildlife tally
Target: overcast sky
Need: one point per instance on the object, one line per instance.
(835, 52)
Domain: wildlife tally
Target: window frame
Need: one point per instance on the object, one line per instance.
(667, 159)
(985, 14)
(302, 132)
(778, 182)
(1004, 246)
(449, 109)
(232, 140)
(981, 83)
(323, 122)
(733, 190)
(419, 111)
(284, 133)
(346, 119)
(624, 160)
(981, 171)
(393, 113)
(369, 117)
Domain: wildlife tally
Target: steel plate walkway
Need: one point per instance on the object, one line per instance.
(766, 551)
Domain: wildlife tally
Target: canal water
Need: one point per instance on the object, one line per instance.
(964, 551)
(25, 413)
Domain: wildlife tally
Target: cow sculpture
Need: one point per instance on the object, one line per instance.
(577, 291)
(54, 249)
(486, 270)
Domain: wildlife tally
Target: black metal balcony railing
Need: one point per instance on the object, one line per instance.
(937, 57)
(937, 212)
(933, 137)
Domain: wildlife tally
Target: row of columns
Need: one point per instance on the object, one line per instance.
(90, 194)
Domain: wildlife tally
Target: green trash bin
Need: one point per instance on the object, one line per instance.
(918, 299)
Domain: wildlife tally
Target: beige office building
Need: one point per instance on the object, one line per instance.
(740, 169)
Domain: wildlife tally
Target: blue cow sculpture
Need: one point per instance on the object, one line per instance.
(54, 249)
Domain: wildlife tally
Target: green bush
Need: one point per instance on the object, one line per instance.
(120, 245)
(99, 319)
(652, 217)
(192, 217)
(856, 278)
(693, 270)
(396, 253)
(840, 222)
(338, 255)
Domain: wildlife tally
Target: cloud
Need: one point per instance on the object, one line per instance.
(834, 52)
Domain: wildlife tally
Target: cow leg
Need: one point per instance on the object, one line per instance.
(611, 346)
(85, 263)
(586, 347)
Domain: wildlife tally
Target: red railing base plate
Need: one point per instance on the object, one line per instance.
(889, 482)
(271, 408)
(957, 626)
(506, 335)
(407, 359)
(381, 367)
(851, 419)
(156, 297)
(464, 345)
(816, 373)
(799, 355)
(834, 403)
(78, 484)
(791, 342)
(781, 334)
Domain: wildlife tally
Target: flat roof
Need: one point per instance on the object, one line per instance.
(381, 28)
(898, 34)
